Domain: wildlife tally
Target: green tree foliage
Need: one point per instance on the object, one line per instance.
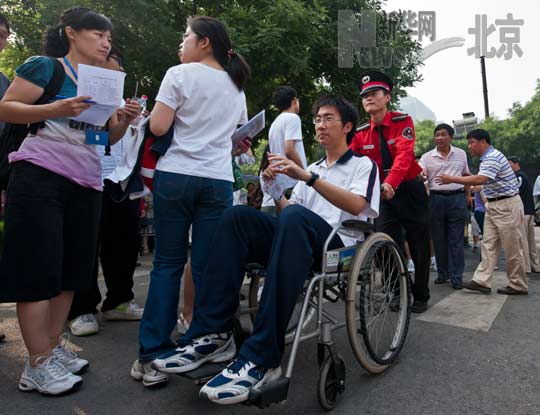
(519, 134)
(290, 42)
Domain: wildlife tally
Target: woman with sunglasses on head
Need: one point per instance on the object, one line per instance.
(54, 198)
(204, 99)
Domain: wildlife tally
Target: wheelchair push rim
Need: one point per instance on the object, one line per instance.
(377, 305)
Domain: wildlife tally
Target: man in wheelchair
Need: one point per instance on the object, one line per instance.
(341, 186)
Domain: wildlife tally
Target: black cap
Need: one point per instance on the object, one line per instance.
(514, 159)
(371, 80)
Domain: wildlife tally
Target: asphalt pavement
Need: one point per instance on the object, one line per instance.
(469, 354)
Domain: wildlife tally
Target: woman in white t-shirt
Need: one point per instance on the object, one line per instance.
(193, 182)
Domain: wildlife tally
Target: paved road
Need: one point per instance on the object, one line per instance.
(469, 354)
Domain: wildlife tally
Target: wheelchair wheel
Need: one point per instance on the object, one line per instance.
(331, 384)
(378, 303)
(255, 291)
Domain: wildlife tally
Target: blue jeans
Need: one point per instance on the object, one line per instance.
(289, 246)
(448, 217)
(179, 202)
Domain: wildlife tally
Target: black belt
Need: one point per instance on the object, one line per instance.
(446, 192)
(494, 199)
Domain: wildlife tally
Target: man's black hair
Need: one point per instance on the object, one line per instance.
(283, 97)
(4, 22)
(479, 134)
(346, 110)
(444, 126)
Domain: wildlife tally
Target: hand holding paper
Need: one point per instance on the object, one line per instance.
(105, 87)
(248, 130)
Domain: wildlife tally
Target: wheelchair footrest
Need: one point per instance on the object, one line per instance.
(204, 373)
(272, 392)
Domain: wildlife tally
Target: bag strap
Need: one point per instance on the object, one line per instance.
(50, 90)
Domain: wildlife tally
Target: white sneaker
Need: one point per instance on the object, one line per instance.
(49, 377)
(410, 265)
(433, 265)
(126, 311)
(68, 358)
(84, 325)
(149, 376)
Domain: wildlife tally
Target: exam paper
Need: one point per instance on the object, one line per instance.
(249, 129)
(106, 87)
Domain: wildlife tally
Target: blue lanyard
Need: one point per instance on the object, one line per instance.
(71, 69)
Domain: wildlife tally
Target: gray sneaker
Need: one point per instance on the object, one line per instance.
(49, 377)
(150, 377)
(68, 358)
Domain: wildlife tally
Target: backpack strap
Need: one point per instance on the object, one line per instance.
(50, 90)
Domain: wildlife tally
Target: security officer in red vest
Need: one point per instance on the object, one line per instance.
(388, 139)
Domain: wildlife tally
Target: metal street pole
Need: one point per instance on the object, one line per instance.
(484, 85)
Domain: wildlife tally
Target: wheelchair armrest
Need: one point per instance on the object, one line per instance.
(358, 225)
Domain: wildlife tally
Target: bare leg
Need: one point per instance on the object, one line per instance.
(189, 294)
(34, 323)
(58, 312)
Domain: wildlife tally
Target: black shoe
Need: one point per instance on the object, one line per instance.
(2, 337)
(457, 285)
(440, 280)
(511, 291)
(474, 286)
(419, 307)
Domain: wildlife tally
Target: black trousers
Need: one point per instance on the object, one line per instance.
(409, 208)
(118, 245)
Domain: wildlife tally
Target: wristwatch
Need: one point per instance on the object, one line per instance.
(314, 177)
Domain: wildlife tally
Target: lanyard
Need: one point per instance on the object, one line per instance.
(71, 69)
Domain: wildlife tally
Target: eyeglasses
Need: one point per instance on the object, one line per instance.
(324, 120)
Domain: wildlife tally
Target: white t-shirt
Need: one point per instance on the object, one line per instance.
(352, 172)
(109, 163)
(287, 126)
(208, 108)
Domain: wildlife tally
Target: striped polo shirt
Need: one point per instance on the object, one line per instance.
(454, 164)
(501, 178)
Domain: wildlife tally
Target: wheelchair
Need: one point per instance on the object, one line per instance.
(371, 278)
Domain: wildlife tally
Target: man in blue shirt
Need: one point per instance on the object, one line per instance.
(504, 213)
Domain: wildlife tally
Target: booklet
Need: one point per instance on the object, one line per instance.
(106, 87)
(249, 129)
(276, 186)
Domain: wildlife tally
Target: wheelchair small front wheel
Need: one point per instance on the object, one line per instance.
(331, 385)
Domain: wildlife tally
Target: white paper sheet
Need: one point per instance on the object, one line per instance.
(106, 87)
(249, 129)
(276, 186)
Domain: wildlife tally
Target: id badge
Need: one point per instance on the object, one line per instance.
(95, 137)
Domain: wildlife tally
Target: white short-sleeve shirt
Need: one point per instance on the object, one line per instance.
(209, 107)
(355, 173)
(286, 127)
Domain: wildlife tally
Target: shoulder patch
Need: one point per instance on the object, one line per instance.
(401, 117)
(407, 133)
(363, 127)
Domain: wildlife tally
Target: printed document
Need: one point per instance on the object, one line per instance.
(106, 87)
(249, 129)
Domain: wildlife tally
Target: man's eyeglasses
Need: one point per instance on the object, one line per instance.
(324, 120)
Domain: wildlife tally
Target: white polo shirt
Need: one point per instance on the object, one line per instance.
(355, 173)
(434, 164)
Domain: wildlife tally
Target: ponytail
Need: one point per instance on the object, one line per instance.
(56, 44)
(216, 32)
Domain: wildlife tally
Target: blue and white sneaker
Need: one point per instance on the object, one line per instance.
(235, 382)
(214, 348)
